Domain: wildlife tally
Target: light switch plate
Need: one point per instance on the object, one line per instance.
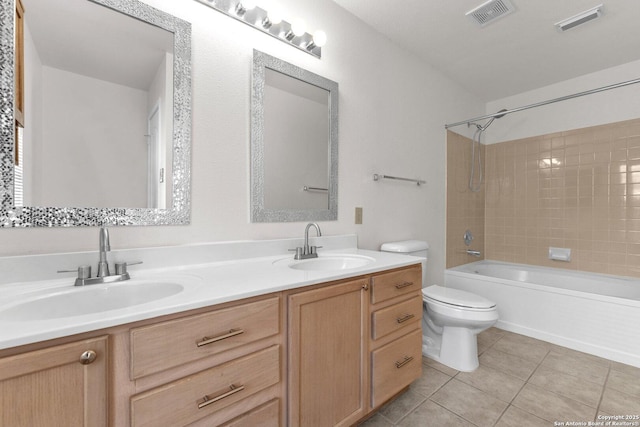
(358, 215)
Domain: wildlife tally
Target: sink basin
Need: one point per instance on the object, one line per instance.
(332, 263)
(75, 301)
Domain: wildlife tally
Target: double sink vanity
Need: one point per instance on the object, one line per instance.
(236, 334)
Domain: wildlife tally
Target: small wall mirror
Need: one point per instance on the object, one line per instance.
(294, 143)
(103, 133)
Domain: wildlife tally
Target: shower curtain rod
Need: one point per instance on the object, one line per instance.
(539, 104)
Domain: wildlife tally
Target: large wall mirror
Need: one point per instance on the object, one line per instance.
(103, 132)
(294, 143)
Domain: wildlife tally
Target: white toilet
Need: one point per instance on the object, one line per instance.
(451, 319)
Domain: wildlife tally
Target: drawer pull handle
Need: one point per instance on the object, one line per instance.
(206, 400)
(404, 361)
(403, 285)
(230, 334)
(405, 318)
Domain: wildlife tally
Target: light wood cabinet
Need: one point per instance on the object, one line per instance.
(267, 415)
(208, 368)
(395, 366)
(353, 345)
(396, 333)
(396, 317)
(328, 341)
(163, 345)
(325, 355)
(64, 385)
(397, 283)
(205, 393)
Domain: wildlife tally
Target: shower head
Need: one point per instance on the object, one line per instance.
(495, 116)
(499, 116)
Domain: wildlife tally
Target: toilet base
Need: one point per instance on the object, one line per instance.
(458, 349)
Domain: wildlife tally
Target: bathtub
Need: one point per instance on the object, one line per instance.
(594, 313)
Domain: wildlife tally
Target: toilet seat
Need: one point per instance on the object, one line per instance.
(457, 298)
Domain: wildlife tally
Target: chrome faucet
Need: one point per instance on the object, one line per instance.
(308, 251)
(104, 247)
(103, 276)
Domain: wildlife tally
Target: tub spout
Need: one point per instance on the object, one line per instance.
(472, 252)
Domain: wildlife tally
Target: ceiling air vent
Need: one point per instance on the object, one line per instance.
(580, 18)
(490, 11)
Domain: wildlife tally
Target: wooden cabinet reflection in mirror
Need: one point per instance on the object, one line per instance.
(18, 103)
(19, 75)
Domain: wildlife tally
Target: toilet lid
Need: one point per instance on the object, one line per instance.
(456, 297)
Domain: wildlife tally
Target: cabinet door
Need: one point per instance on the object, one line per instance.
(328, 371)
(58, 386)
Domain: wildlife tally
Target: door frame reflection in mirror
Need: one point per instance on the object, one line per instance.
(259, 212)
(44, 216)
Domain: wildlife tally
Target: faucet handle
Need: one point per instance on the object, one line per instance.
(298, 251)
(313, 249)
(84, 271)
(121, 267)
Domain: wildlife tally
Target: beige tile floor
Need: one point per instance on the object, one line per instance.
(521, 382)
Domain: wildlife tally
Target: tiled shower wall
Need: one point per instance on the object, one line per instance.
(578, 189)
(465, 209)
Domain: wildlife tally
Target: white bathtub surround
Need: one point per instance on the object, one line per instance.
(593, 313)
(210, 274)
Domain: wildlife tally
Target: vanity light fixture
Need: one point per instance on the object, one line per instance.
(319, 39)
(274, 17)
(244, 5)
(271, 23)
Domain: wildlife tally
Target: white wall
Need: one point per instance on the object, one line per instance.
(393, 108)
(591, 110)
(296, 135)
(94, 150)
(33, 119)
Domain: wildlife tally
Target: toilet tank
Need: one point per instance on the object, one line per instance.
(417, 248)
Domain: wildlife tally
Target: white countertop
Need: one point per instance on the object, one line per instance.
(205, 284)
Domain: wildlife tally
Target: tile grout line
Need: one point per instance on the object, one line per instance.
(604, 386)
(525, 384)
(427, 398)
(457, 415)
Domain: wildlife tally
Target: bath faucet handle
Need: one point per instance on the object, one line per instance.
(298, 252)
(121, 267)
(84, 271)
(312, 249)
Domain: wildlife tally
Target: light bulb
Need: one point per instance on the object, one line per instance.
(298, 27)
(320, 38)
(275, 16)
(248, 4)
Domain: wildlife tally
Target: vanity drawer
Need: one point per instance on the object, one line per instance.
(267, 415)
(395, 365)
(164, 345)
(200, 395)
(397, 283)
(395, 317)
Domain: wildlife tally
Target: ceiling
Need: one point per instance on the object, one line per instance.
(516, 53)
(95, 41)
